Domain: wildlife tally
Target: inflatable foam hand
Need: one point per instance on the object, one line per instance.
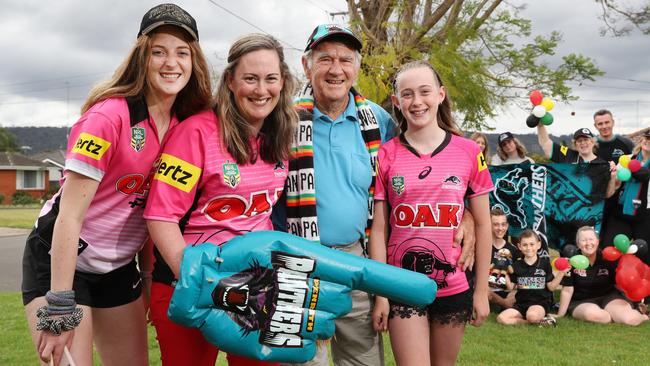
(633, 277)
(270, 295)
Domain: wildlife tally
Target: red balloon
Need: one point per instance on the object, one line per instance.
(562, 264)
(611, 253)
(634, 165)
(536, 97)
(633, 277)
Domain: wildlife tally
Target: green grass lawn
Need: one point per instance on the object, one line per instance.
(23, 218)
(571, 343)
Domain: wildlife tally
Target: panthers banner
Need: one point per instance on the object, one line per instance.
(553, 199)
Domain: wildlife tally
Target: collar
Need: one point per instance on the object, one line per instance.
(350, 112)
(138, 110)
(405, 143)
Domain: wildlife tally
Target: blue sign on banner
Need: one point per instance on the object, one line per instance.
(552, 199)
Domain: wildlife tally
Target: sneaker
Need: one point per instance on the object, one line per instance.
(548, 322)
(502, 281)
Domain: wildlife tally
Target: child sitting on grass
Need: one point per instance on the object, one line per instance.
(533, 278)
(499, 298)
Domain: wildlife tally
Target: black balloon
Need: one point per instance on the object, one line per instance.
(642, 247)
(642, 175)
(532, 121)
(570, 250)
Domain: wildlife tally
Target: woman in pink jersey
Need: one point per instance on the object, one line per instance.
(218, 177)
(424, 176)
(80, 280)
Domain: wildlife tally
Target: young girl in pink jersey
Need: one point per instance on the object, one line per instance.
(218, 177)
(424, 175)
(80, 280)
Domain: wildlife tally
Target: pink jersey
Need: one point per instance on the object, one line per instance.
(426, 196)
(197, 175)
(115, 143)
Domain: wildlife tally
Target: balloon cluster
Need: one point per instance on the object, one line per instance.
(628, 168)
(541, 110)
(632, 275)
(623, 245)
(571, 257)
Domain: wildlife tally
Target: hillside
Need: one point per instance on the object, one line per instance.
(40, 139)
(53, 138)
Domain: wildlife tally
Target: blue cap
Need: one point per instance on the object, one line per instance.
(333, 31)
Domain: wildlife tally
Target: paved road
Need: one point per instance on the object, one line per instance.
(11, 257)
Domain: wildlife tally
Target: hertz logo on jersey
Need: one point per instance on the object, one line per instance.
(177, 172)
(91, 146)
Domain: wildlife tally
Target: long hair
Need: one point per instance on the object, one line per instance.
(130, 79)
(521, 150)
(444, 116)
(486, 150)
(278, 127)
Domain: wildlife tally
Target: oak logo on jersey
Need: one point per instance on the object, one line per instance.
(482, 163)
(176, 172)
(91, 146)
(398, 184)
(443, 215)
(231, 175)
(137, 138)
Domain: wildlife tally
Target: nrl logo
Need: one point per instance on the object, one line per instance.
(231, 175)
(397, 182)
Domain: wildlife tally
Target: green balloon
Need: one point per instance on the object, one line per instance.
(622, 243)
(547, 119)
(579, 261)
(623, 174)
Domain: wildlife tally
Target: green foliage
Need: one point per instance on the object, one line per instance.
(484, 52)
(21, 198)
(7, 141)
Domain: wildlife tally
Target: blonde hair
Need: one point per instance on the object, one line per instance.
(278, 127)
(486, 150)
(130, 79)
(444, 116)
(521, 150)
(583, 229)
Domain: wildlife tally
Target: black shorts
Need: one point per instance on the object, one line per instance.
(455, 309)
(118, 287)
(523, 308)
(601, 301)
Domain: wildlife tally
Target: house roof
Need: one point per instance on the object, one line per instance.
(56, 157)
(12, 159)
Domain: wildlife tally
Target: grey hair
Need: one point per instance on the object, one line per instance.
(583, 229)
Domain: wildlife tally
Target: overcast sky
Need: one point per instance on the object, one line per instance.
(53, 52)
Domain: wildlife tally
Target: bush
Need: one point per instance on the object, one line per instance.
(2, 199)
(22, 198)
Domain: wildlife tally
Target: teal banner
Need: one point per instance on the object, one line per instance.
(552, 199)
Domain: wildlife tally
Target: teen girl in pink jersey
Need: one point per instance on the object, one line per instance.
(218, 177)
(424, 176)
(80, 280)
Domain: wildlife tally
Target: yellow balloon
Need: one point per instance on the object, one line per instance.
(624, 160)
(548, 104)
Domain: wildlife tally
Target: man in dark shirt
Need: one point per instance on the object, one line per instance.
(610, 146)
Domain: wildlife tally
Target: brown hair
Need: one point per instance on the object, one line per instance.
(444, 116)
(529, 233)
(497, 212)
(278, 127)
(130, 79)
(521, 150)
(602, 112)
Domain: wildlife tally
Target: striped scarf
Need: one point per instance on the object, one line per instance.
(300, 188)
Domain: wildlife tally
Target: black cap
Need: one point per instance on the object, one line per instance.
(505, 137)
(332, 32)
(583, 132)
(168, 14)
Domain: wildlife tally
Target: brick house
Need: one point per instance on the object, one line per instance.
(20, 173)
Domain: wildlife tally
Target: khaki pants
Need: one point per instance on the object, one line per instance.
(355, 342)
